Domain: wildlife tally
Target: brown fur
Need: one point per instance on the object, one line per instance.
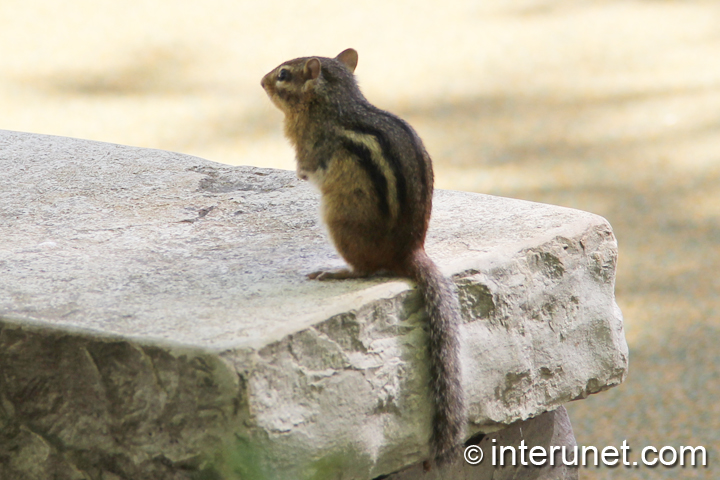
(376, 182)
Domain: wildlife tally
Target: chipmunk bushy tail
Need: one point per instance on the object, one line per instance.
(444, 319)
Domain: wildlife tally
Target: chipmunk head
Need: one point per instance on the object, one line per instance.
(301, 80)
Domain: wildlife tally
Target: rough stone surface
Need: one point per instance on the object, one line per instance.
(546, 430)
(155, 321)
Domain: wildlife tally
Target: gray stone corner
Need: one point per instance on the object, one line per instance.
(156, 323)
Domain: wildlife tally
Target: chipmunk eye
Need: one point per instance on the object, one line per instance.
(284, 75)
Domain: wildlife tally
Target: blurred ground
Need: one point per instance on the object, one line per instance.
(606, 106)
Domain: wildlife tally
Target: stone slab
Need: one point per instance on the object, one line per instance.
(155, 317)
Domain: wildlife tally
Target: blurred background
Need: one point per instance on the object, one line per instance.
(607, 106)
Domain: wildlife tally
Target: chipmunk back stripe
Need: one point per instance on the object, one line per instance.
(392, 159)
(419, 150)
(364, 155)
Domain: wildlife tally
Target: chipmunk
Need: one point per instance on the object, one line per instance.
(376, 184)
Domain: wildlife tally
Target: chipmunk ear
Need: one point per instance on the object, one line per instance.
(312, 69)
(349, 57)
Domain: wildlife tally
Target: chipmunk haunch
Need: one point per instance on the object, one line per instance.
(376, 183)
